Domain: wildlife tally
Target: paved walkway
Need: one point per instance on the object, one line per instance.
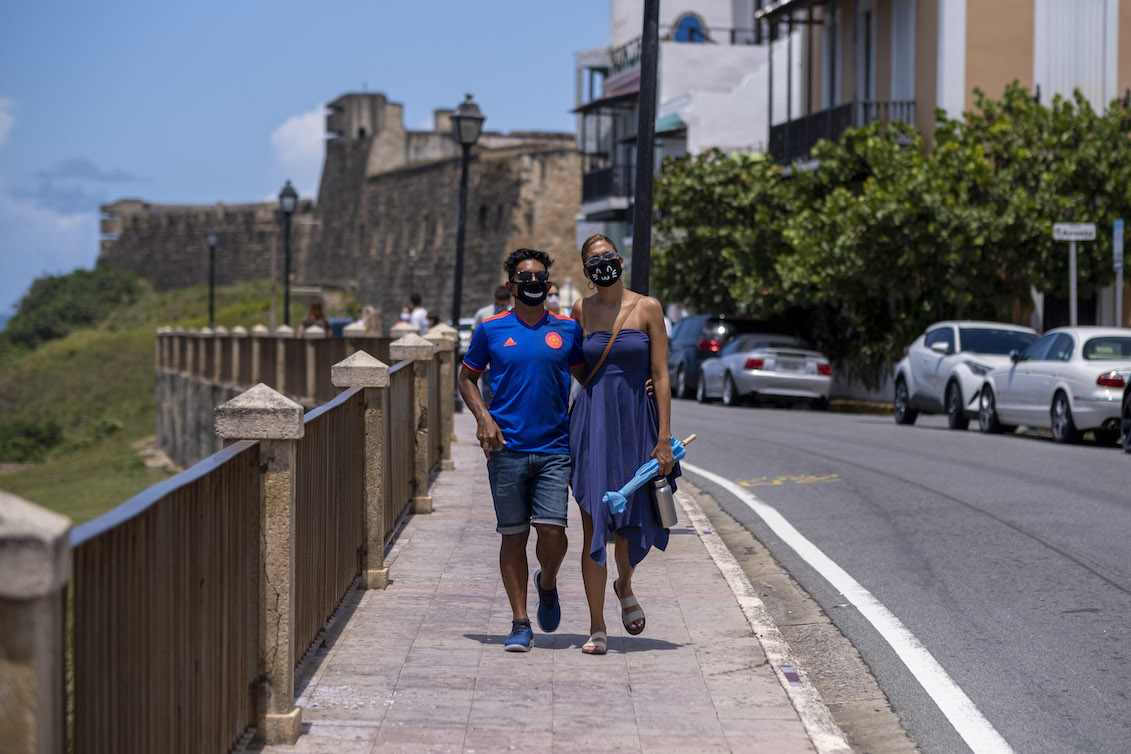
(420, 666)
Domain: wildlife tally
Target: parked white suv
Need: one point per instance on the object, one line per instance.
(945, 367)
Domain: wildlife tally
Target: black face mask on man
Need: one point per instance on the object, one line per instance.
(532, 293)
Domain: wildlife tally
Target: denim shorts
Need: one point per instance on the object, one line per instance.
(529, 488)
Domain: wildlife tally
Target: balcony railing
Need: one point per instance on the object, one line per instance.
(603, 183)
(794, 139)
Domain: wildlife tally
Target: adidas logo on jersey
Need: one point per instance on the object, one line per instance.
(510, 342)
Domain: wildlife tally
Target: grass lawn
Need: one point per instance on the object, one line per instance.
(98, 383)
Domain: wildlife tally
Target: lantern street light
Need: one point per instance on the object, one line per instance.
(211, 278)
(288, 201)
(467, 124)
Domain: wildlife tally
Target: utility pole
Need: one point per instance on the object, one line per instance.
(645, 149)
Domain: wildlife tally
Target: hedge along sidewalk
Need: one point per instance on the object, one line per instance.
(420, 665)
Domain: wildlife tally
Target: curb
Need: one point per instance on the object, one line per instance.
(825, 734)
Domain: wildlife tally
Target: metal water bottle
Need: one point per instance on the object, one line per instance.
(665, 503)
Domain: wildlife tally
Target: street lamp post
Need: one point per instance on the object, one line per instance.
(211, 278)
(467, 124)
(288, 201)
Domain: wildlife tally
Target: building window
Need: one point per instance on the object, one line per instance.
(689, 28)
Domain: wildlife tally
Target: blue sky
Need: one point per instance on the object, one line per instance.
(222, 101)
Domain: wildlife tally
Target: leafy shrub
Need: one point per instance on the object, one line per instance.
(57, 304)
(28, 441)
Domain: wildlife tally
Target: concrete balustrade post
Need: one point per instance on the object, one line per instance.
(363, 371)
(177, 350)
(283, 334)
(419, 351)
(355, 333)
(276, 422)
(444, 339)
(310, 334)
(219, 338)
(35, 565)
(190, 352)
(401, 329)
(258, 333)
(238, 334)
(204, 342)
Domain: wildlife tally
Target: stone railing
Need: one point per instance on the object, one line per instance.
(193, 602)
(198, 370)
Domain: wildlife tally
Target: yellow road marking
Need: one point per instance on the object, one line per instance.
(765, 481)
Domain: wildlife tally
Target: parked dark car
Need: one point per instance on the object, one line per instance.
(694, 338)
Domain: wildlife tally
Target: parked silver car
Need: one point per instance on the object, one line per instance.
(1071, 380)
(764, 365)
(945, 367)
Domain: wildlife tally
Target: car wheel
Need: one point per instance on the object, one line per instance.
(1106, 436)
(904, 414)
(1063, 428)
(681, 390)
(955, 413)
(1127, 423)
(730, 392)
(821, 404)
(701, 390)
(987, 412)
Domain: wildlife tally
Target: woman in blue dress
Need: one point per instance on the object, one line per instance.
(614, 428)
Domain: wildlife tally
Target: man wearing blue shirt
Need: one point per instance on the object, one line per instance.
(524, 433)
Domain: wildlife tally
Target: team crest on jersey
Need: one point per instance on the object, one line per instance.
(553, 340)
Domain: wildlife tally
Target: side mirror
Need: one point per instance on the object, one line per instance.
(940, 348)
(1015, 356)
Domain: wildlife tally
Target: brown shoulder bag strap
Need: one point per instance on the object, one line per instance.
(616, 329)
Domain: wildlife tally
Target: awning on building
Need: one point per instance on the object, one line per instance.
(785, 8)
(670, 123)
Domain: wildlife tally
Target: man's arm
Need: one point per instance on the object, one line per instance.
(487, 431)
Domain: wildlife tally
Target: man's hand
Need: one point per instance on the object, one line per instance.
(489, 435)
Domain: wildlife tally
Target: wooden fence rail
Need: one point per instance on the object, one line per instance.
(194, 600)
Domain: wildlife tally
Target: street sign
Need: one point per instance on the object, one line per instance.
(1117, 246)
(1074, 232)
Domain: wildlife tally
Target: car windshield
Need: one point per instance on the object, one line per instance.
(1108, 348)
(994, 341)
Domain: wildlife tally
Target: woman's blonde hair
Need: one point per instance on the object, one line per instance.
(596, 238)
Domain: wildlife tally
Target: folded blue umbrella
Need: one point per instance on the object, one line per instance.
(646, 473)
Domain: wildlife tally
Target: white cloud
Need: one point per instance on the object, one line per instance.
(7, 118)
(298, 145)
(36, 240)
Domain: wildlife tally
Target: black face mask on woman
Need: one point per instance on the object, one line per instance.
(533, 293)
(605, 272)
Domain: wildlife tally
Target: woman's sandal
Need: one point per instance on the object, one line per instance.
(598, 644)
(635, 615)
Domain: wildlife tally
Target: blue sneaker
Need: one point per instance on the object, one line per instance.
(549, 609)
(520, 637)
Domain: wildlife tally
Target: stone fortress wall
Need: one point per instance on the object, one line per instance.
(386, 218)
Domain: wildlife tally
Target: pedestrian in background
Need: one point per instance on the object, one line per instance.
(418, 317)
(315, 315)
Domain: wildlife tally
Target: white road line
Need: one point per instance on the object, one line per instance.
(967, 719)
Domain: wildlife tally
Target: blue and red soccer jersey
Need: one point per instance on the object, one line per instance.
(530, 366)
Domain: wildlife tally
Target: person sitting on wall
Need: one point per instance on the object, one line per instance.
(315, 315)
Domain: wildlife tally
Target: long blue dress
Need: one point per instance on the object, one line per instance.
(612, 432)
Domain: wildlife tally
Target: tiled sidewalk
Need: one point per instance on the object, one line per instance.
(420, 666)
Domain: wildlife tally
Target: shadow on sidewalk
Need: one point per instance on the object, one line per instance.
(574, 641)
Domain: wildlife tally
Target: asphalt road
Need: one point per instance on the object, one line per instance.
(1007, 557)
